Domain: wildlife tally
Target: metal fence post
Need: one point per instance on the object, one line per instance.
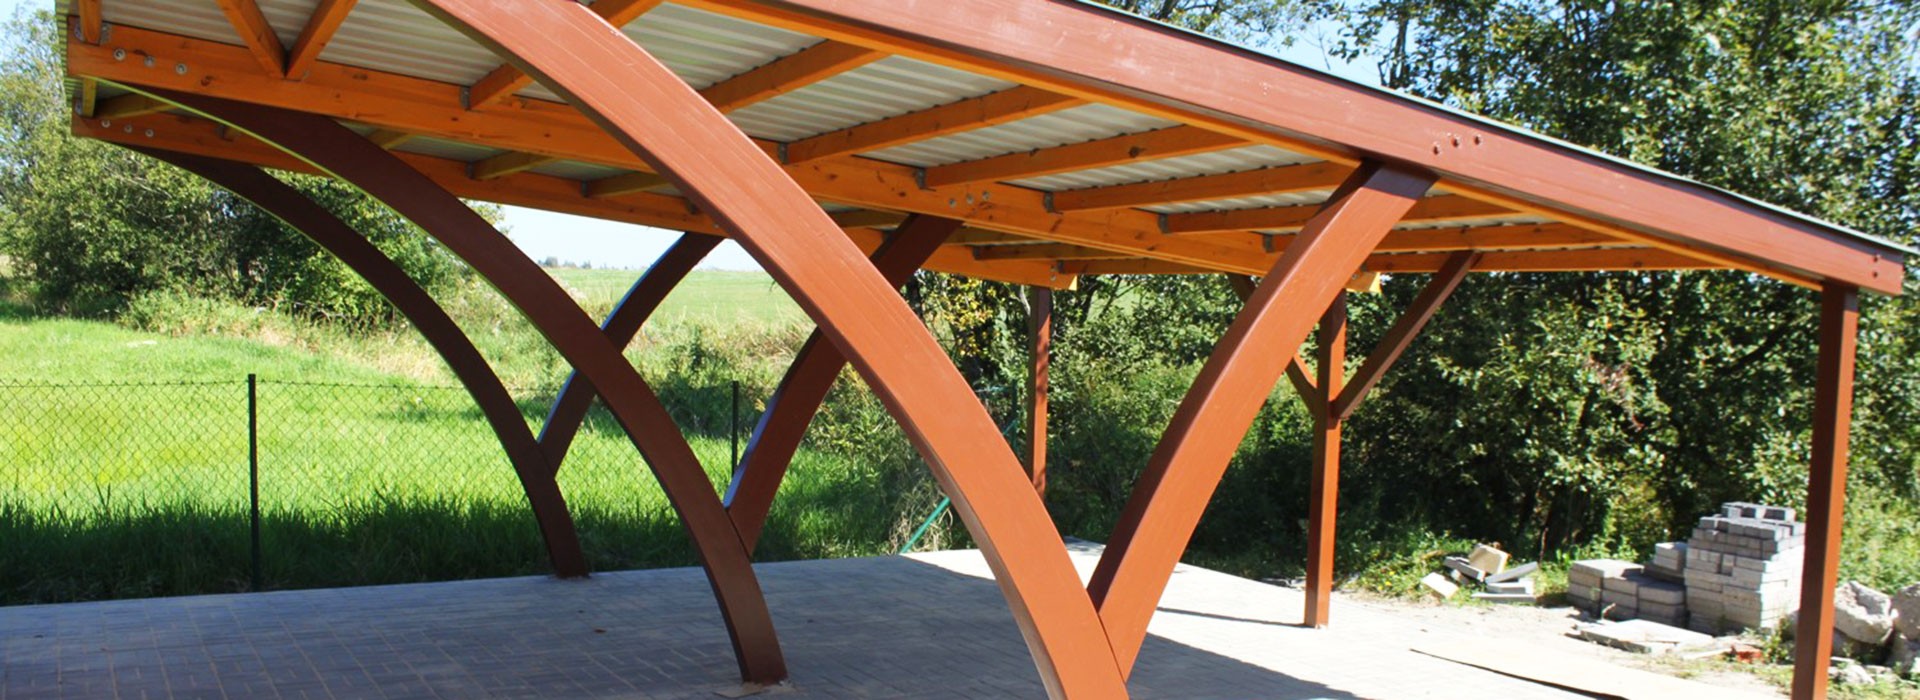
(253, 470)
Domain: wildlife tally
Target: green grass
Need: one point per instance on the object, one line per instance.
(715, 295)
(125, 454)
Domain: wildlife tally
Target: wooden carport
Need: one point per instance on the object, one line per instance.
(847, 143)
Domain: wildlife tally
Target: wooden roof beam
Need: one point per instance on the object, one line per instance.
(87, 14)
(1046, 251)
(1604, 260)
(434, 109)
(196, 136)
(326, 20)
(1533, 237)
(787, 74)
(624, 183)
(952, 118)
(257, 34)
(1119, 150)
(388, 138)
(502, 82)
(507, 164)
(1432, 209)
(1287, 179)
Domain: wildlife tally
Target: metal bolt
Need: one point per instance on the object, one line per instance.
(1436, 148)
(984, 196)
(148, 62)
(181, 69)
(1476, 139)
(1456, 141)
(106, 123)
(969, 197)
(127, 129)
(953, 203)
(119, 54)
(149, 133)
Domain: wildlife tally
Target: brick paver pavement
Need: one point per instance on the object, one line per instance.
(920, 626)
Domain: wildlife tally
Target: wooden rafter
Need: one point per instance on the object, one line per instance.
(787, 74)
(257, 34)
(867, 218)
(624, 183)
(1290, 179)
(326, 20)
(984, 237)
(508, 164)
(1431, 209)
(388, 139)
(428, 108)
(1045, 251)
(1547, 261)
(87, 13)
(502, 82)
(194, 136)
(1527, 236)
(1131, 148)
(89, 98)
(965, 115)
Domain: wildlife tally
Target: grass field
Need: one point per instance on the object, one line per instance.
(126, 468)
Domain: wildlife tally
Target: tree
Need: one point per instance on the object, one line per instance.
(89, 226)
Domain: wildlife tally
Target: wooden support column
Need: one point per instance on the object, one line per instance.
(1324, 495)
(1826, 488)
(1040, 331)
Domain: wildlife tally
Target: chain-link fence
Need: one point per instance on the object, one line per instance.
(142, 488)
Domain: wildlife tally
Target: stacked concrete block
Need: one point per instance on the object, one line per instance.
(1587, 582)
(1669, 562)
(1743, 568)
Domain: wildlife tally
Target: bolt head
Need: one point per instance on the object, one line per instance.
(180, 68)
(119, 54)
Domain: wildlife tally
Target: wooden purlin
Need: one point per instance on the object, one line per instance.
(194, 136)
(412, 105)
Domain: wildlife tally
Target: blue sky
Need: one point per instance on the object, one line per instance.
(608, 244)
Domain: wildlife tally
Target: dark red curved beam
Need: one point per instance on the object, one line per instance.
(1214, 416)
(621, 325)
(777, 436)
(601, 72)
(349, 247)
(340, 152)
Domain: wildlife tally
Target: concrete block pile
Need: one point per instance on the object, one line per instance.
(1743, 568)
(1620, 590)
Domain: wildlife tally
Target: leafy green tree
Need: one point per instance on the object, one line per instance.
(89, 226)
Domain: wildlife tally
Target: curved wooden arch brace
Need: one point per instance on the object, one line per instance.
(350, 248)
(621, 325)
(777, 436)
(340, 152)
(623, 88)
(1214, 416)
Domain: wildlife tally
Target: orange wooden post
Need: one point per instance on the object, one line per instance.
(1324, 495)
(1826, 488)
(1040, 327)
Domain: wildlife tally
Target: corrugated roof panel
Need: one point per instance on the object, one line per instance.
(1290, 199)
(1060, 128)
(704, 48)
(395, 37)
(195, 18)
(888, 87)
(1249, 158)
